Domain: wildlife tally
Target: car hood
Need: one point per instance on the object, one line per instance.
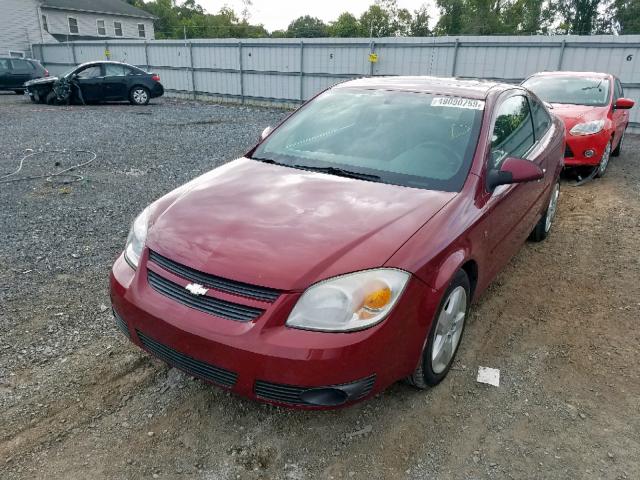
(286, 228)
(573, 114)
(40, 81)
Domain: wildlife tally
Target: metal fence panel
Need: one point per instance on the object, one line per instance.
(292, 70)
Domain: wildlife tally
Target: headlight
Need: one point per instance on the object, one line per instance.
(349, 302)
(588, 128)
(136, 239)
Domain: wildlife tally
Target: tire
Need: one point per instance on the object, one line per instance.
(457, 299)
(139, 96)
(604, 161)
(19, 92)
(618, 150)
(543, 227)
(33, 99)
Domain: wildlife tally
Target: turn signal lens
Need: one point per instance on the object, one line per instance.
(377, 300)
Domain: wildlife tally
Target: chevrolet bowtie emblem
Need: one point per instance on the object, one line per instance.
(196, 289)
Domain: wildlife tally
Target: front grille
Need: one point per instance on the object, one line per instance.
(121, 324)
(212, 281)
(214, 306)
(292, 395)
(568, 153)
(189, 364)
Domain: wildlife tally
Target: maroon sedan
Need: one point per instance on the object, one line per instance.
(341, 254)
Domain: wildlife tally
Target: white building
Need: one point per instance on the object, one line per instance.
(23, 22)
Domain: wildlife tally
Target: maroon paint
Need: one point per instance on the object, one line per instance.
(287, 229)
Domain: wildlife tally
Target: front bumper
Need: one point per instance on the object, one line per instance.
(577, 146)
(262, 358)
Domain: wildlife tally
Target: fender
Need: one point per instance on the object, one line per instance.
(448, 268)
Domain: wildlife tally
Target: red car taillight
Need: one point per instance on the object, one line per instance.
(155, 77)
(46, 72)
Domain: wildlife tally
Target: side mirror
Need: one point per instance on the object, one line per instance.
(513, 170)
(265, 133)
(623, 104)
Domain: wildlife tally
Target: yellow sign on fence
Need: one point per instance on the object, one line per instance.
(373, 57)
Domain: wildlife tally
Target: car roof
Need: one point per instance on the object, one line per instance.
(99, 62)
(571, 74)
(458, 87)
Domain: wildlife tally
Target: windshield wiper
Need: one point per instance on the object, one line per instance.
(341, 172)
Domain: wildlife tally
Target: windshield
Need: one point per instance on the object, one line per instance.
(573, 90)
(411, 139)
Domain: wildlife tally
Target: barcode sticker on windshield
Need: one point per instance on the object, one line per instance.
(457, 102)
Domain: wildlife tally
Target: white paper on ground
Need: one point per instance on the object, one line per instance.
(489, 375)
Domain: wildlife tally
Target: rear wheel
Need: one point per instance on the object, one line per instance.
(604, 161)
(543, 227)
(618, 150)
(139, 96)
(445, 334)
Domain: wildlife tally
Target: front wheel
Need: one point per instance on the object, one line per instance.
(445, 334)
(139, 96)
(543, 227)
(604, 161)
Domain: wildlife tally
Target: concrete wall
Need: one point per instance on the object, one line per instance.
(58, 22)
(289, 71)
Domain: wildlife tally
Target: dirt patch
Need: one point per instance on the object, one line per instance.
(78, 401)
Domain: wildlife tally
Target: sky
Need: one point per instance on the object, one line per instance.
(277, 14)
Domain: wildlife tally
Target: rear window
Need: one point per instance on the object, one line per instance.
(592, 91)
(411, 139)
(4, 64)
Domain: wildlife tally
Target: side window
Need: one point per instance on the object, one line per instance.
(112, 70)
(541, 119)
(512, 131)
(619, 92)
(90, 72)
(4, 64)
(117, 28)
(21, 65)
(141, 32)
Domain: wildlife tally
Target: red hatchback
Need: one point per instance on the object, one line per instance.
(593, 109)
(341, 254)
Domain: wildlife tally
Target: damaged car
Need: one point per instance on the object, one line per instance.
(343, 252)
(95, 82)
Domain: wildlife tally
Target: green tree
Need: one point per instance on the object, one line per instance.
(307, 27)
(579, 17)
(452, 17)
(626, 16)
(420, 22)
(375, 22)
(345, 26)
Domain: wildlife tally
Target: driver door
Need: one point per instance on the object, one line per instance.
(90, 80)
(508, 207)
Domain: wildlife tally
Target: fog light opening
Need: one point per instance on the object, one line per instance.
(328, 397)
(589, 153)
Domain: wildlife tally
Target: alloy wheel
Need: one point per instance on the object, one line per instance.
(140, 96)
(449, 329)
(553, 206)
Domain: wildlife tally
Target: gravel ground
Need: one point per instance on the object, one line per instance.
(78, 401)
